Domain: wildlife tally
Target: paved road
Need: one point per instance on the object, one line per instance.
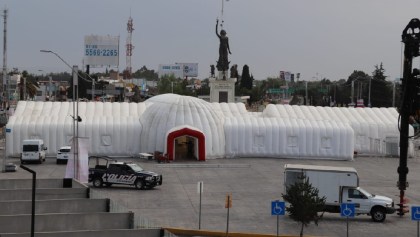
(253, 183)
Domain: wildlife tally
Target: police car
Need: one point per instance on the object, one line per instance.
(126, 173)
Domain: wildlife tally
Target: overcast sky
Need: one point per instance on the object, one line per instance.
(317, 38)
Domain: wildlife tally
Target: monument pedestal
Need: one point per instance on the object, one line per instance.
(222, 90)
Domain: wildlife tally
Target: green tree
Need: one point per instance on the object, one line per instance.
(304, 202)
(31, 88)
(137, 95)
(168, 84)
(246, 79)
(381, 90)
(205, 87)
(360, 81)
(143, 72)
(84, 83)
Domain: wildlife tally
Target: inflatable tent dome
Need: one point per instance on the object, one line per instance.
(170, 116)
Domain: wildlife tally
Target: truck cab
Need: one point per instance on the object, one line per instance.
(33, 150)
(340, 185)
(367, 203)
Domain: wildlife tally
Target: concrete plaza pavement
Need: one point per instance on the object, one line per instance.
(253, 183)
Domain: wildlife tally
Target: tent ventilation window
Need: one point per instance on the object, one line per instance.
(292, 141)
(106, 140)
(259, 141)
(326, 142)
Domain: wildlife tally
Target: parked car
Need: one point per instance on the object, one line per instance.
(63, 154)
(127, 173)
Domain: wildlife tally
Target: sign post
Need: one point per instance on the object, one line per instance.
(415, 216)
(347, 210)
(228, 205)
(277, 209)
(199, 191)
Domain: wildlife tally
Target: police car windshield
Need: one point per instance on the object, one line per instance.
(135, 167)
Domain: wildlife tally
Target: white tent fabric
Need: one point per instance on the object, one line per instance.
(229, 129)
(373, 127)
(113, 128)
(287, 138)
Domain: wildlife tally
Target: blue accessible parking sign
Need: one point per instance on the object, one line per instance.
(415, 213)
(278, 208)
(347, 209)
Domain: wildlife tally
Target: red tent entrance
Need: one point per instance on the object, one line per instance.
(197, 136)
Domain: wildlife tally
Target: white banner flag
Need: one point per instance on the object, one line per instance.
(79, 169)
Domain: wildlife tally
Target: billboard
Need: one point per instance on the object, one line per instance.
(190, 69)
(102, 50)
(287, 76)
(179, 70)
(170, 69)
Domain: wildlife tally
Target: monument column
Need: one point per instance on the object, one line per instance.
(222, 88)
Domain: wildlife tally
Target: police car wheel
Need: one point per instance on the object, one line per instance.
(97, 182)
(139, 184)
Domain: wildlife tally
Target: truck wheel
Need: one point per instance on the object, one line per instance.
(378, 214)
(139, 184)
(97, 182)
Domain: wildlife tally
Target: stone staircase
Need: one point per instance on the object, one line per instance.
(62, 208)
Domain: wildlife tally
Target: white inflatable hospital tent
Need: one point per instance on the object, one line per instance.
(217, 129)
(374, 128)
(112, 128)
(288, 138)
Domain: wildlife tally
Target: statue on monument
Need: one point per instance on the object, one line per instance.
(223, 63)
(234, 71)
(212, 71)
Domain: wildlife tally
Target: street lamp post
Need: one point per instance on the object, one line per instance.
(370, 83)
(76, 118)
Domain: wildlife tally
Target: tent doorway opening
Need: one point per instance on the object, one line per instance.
(186, 148)
(186, 143)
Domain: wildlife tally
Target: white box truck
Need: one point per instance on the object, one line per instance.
(340, 185)
(33, 150)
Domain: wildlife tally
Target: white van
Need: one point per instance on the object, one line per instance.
(33, 150)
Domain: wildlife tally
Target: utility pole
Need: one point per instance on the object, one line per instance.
(393, 94)
(352, 92)
(370, 84)
(5, 82)
(5, 102)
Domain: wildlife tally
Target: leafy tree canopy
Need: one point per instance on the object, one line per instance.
(304, 202)
(379, 73)
(143, 72)
(246, 79)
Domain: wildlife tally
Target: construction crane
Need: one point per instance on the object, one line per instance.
(409, 105)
